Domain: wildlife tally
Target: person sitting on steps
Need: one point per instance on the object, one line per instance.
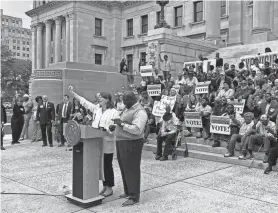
(167, 133)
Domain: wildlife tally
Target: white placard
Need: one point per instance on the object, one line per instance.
(146, 70)
(154, 90)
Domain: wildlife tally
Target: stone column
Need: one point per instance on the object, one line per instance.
(235, 22)
(34, 42)
(67, 38)
(48, 24)
(261, 16)
(39, 45)
(58, 22)
(213, 17)
(73, 37)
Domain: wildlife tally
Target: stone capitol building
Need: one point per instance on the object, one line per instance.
(91, 37)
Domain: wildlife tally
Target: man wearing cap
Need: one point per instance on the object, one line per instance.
(243, 91)
(242, 137)
(28, 106)
(264, 135)
(167, 133)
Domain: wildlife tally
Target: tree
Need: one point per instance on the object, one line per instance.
(15, 74)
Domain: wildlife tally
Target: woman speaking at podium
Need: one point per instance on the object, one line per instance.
(103, 115)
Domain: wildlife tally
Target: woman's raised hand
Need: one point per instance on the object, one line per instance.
(70, 88)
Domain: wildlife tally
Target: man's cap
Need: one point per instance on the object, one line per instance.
(264, 117)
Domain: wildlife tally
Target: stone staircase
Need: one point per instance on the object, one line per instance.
(232, 54)
(202, 149)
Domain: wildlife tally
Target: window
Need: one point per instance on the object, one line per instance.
(14, 47)
(23, 54)
(23, 42)
(18, 54)
(98, 26)
(22, 32)
(28, 55)
(178, 16)
(10, 30)
(7, 21)
(143, 57)
(43, 2)
(158, 17)
(13, 31)
(51, 60)
(27, 42)
(223, 8)
(16, 22)
(198, 11)
(18, 48)
(144, 21)
(23, 48)
(130, 27)
(130, 63)
(14, 41)
(27, 49)
(13, 21)
(98, 59)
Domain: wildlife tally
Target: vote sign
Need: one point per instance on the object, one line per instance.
(202, 87)
(220, 125)
(146, 70)
(154, 90)
(238, 105)
(193, 119)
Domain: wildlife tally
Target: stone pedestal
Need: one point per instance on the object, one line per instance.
(89, 79)
(178, 49)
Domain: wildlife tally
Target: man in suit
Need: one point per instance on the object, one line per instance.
(64, 112)
(3, 121)
(46, 116)
(269, 108)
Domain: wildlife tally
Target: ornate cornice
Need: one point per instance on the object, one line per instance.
(37, 10)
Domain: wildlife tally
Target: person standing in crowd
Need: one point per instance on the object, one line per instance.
(3, 121)
(130, 139)
(205, 111)
(17, 120)
(105, 113)
(227, 92)
(37, 135)
(270, 107)
(120, 105)
(78, 112)
(201, 57)
(272, 159)
(28, 106)
(123, 66)
(219, 61)
(64, 113)
(166, 67)
(45, 117)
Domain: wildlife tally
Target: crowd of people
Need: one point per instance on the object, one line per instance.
(130, 118)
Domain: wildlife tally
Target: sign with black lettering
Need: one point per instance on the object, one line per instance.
(239, 105)
(154, 90)
(202, 87)
(220, 125)
(193, 119)
(270, 57)
(159, 107)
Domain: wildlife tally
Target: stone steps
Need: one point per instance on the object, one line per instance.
(202, 149)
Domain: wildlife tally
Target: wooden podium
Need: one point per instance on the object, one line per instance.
(86, 142)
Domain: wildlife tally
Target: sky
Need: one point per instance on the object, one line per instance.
(17, 8)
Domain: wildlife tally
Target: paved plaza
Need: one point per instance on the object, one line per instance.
(33, 178)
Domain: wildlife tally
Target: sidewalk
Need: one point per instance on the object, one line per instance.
(184, 185)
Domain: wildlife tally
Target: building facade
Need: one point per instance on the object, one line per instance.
(17, 38)
(104, 32)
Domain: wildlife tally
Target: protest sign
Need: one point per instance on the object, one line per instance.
(195, 63)
(202, 87)
(220, 125)
(270, 57)
(146, 70)
(177, 87)
(239, 105)
(154, 90)
(159, 107)
(193, 119)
